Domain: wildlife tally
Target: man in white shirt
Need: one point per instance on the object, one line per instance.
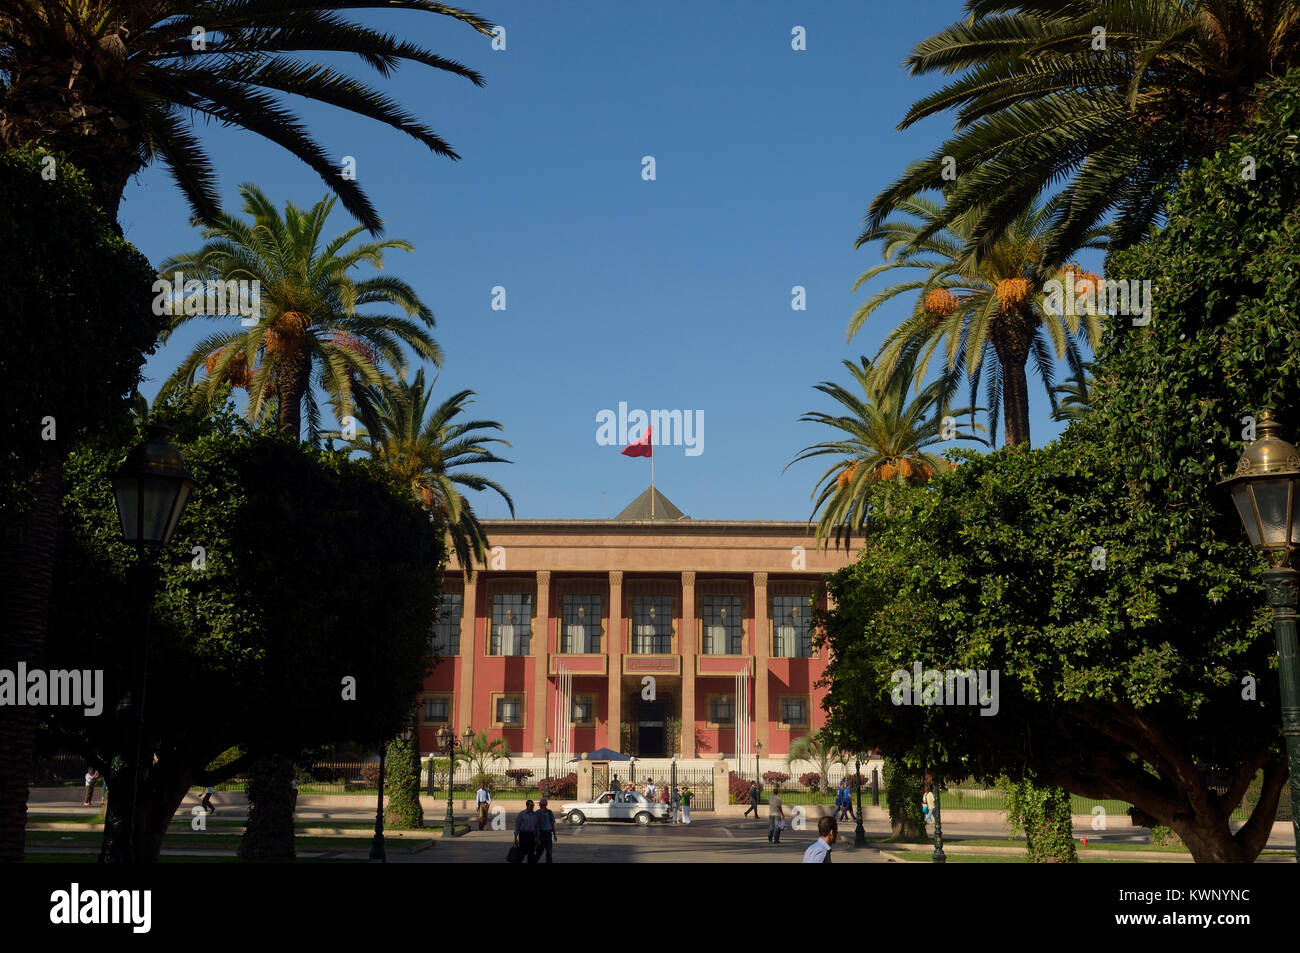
(820, 851)
(482, 799)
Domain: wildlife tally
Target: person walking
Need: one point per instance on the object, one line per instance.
(91, 776)
(546, 833)
(753, 799)
(686, 805)
(775, 816)
(848, 803)
(819, 852)
(207, 800)
(526, 832)
(927, 803)
(616, 784)
(482, 801)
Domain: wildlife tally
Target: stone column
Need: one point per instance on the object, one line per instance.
(541, 661)
(584, 782)
(614, 639)
(688, 648)
(721, 787)
(468, 652)
(760, 651)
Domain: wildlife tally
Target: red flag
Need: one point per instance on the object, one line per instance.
(640, 448)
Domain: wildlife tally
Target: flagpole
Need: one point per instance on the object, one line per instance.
(652, 480)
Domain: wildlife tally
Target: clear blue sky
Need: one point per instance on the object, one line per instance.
(671, 294)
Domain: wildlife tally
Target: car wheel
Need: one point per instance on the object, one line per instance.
(643, 819)
(576, 818)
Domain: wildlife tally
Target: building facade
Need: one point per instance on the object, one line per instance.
(650, 634)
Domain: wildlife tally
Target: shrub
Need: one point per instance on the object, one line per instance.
(812, 781)
(738, 788)
(564, 787)
(519, 776)
(325, 774)
(370, 773)
(775, 777)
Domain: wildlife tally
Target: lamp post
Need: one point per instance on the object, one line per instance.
(859, 833)
(377, 842)
(758, 753)
(1264, 490)
(547, 774)
(151, 490)
(447, 742)
(632, 769)
(939, 857)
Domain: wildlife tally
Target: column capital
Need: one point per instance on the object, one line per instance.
(543, 577)
(688, 578)
(616, 577)
(760, 580)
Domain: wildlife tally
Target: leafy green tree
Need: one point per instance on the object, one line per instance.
(402, 782)
(988, 312)
(77, 327)
(426, 452)
(887, 437)
(315, 316)
(1042, 815)
(1044, 97)
(1105, 576)
(116, 85)
(268, 832)
(301, 551)
(903, 798)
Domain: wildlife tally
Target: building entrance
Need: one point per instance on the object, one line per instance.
(652, 734)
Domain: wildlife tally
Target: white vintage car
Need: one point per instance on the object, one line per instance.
(616, 806)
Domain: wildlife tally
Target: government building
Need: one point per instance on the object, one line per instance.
(650, 634)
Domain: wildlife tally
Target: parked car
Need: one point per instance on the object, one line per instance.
(616, 806)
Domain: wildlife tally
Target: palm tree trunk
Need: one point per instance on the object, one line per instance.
(290, 390)
(27, 568)
(1012, 341)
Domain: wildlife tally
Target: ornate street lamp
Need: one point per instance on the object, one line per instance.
(758, 753)
(939, 857)
(447, 742)
(632, 769)
(546, 776)
(151, 490)
(859, 833)
(1264, 490)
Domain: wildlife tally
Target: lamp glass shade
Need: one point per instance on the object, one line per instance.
(1273, 501)
(149, 507)
(1246, 510)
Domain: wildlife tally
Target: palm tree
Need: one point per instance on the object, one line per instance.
(310, 313)
(481, 753)
(989, 313)
(887, 438)
(1075, 396)
(116, 84)
(820, 751)
(1043, 97)
(424, 451)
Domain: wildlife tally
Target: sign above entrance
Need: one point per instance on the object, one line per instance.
(579, 664)
(659, 664)
(723, 664)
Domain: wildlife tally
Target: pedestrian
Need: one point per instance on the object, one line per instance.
(775, 816)
(848, 802)
(664, 795)
(91, 776)
(546, 833)
(482, 801)
(753, 799)
(927, 803)
(686, 805)
(294, 785)
(649, 790)
(820, 850)
(616, 784)
(526, 832)
(207, 801)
